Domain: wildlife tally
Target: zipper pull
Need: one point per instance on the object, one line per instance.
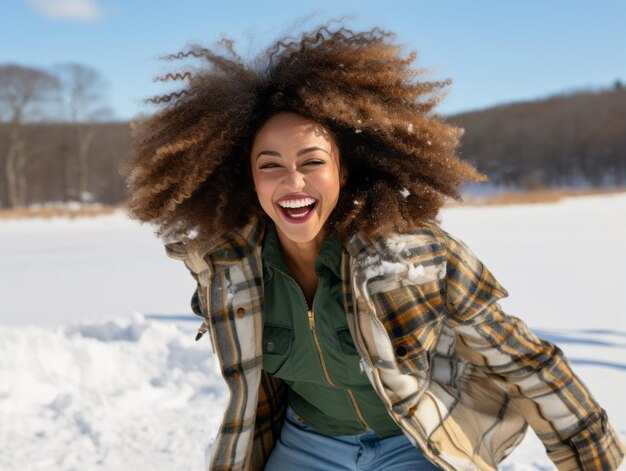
(206, 326)
(311, 319)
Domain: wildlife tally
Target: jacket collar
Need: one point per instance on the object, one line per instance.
(231, 248)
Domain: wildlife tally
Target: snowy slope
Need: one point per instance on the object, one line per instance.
(92, 378)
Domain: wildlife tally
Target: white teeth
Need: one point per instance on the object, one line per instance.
(297, 203)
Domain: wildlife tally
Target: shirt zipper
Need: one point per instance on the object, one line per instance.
(311, 316)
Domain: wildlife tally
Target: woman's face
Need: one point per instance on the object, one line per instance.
(296, 172)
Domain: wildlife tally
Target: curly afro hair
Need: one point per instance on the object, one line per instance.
(189, 170)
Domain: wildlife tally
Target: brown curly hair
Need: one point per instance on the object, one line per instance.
(189, 168)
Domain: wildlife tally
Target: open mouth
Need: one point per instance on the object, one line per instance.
(298, 214)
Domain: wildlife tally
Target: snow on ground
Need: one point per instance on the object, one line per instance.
(117, 395)
(59, 270)
(99, 368)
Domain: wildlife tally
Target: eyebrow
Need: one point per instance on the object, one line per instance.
(306, 150)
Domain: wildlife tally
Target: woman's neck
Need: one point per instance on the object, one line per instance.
(300, 256)
(300, 259)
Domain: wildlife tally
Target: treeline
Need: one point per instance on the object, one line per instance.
(53, 143)
(52, 171)
(569, 140)
(578, 139)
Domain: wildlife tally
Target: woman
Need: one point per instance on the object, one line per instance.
(352, 331)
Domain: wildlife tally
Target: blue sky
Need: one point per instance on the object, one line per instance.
(494, 51)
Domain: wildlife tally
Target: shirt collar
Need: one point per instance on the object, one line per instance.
(329, 256)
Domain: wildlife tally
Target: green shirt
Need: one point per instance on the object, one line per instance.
(312, 351)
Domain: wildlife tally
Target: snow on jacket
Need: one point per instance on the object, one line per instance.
(461, 378)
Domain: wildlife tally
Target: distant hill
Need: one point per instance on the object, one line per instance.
(570, 140)
(575, 139)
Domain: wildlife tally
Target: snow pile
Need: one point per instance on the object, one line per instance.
(122, 394)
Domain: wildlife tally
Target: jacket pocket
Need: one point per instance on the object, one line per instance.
(277, 341)
(352, 374)
(412, 324)
(415, 362)
(346, 343)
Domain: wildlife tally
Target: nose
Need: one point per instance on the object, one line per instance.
(294, 180)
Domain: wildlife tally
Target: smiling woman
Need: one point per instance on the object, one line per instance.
(291, 154)
(297, 177)
(352, 331)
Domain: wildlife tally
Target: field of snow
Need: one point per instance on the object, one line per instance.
(99, 369)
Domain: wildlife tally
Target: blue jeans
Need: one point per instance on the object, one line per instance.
(303, 449)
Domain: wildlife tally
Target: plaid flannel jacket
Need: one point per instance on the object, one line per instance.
(460, 377)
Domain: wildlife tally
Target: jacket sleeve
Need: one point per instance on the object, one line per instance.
(552, 399)
(178, 251)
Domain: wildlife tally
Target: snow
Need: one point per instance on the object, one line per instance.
(396, 247)
(374, 267)
(99, 368)
(59, 270)
(416, 272)
(127, 393)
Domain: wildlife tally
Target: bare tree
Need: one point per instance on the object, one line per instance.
(83, 96)
(22, 90)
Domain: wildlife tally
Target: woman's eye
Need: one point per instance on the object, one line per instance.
(310, 162)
